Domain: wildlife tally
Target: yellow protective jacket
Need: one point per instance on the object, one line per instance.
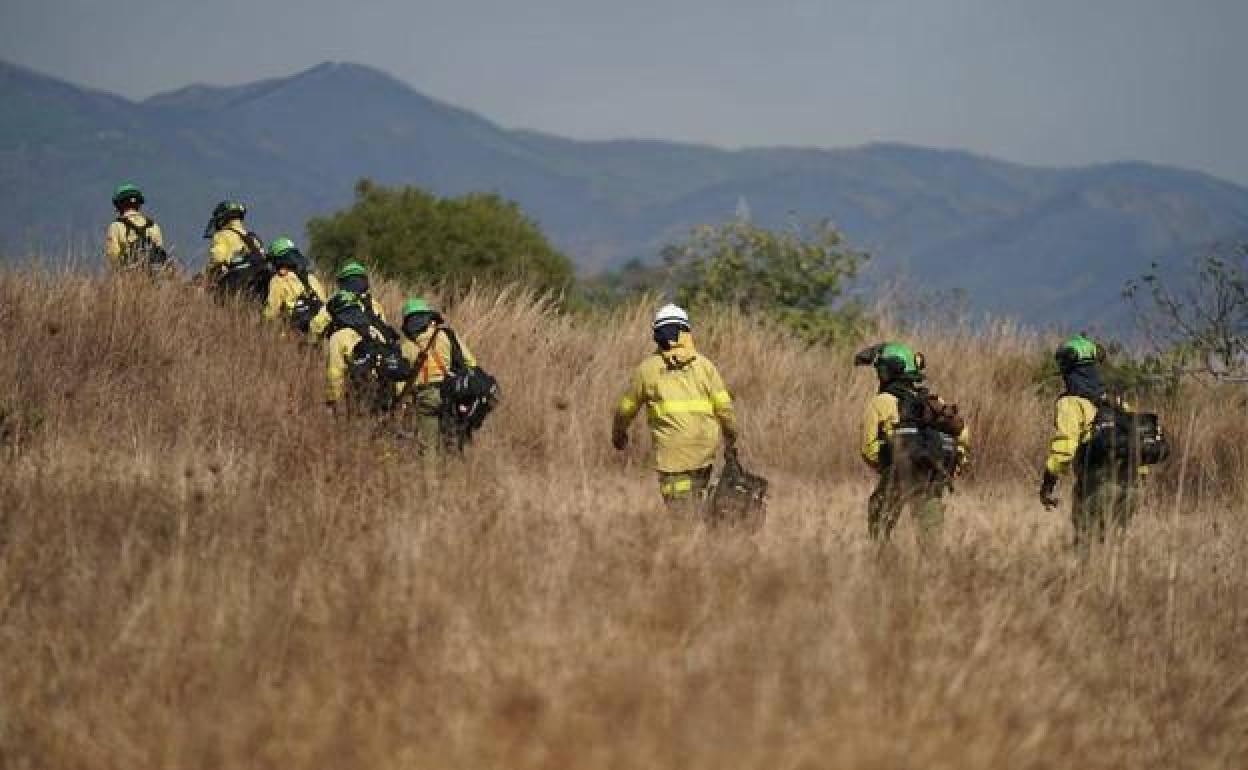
(1073, 419)
(438, 362)
(320, 322)
(226, 245)
(118, 238)
(687, 405)
(284, 289)
(880, 420)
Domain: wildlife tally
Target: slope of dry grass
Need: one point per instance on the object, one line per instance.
(198, 568)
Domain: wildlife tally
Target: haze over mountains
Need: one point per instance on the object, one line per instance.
(1040, 243)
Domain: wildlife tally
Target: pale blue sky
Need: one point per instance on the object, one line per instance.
(1047, 81)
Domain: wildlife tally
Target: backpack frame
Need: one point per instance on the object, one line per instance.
(143, 252)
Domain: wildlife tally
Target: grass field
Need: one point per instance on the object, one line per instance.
(199, 568)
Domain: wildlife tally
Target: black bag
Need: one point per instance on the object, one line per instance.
(740, 497)
(469, 394)
(1123, 439)
(249, 272)
(374, 367)
(142, 252)
(306, 306)
(927, 433)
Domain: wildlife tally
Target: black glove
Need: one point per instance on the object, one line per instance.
(1047, 487)
(619, 440)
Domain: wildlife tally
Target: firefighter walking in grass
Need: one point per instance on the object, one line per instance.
(914, 440)
(1106, 442)
(363, 363)
(237, 263)
(440, 395)
(133, 241)
(295, 293)
(687, 406)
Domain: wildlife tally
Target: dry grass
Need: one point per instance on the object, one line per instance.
(200, 569)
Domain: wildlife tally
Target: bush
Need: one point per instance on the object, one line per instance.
(792, 278)
(410, 234)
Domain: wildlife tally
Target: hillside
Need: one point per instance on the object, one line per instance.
(199, 568)
(1042, 244)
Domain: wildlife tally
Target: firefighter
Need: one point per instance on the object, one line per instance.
(912, 439)
(133, 240)
(428, 352)
(295, 294)
(1105, 489)
(237, 262)
(687, 405)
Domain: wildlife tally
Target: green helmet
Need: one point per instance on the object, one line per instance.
(127, 194)
(280, 246)
(894, 361)
(1078, 350)
(417, 305)
(222, 213)
(350, 269)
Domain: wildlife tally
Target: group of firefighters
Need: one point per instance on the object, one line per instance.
(370, 366)
(916, 443)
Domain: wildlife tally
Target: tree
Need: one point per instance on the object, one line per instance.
(412, 234)
(793, 278)
(1207, 314)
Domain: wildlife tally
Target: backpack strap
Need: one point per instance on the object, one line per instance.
(302, 275)
(418, 366)
(251, 242)
(458, 363)
(391, 336)
(136, 230)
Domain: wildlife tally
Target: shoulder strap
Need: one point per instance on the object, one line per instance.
(458, 364)
(418, 365)
(302, 275)
(250, 240)
(135, 230)
(392, 337)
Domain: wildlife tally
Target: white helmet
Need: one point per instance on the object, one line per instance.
(671, 314)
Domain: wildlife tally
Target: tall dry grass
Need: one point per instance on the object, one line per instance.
(199, 568)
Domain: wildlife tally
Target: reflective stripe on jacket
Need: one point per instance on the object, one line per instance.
(687, 406)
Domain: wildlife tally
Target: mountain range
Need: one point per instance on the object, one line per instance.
(1041, 244)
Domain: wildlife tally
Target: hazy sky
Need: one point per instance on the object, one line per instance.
(1045, 81)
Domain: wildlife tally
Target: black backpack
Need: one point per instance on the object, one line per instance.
(374, 367)
(306, 306)
(142, 251)
(250, 271)
(469, 394)
(1123, 439)
(926, 434)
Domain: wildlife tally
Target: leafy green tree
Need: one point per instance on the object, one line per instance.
(795, 278)
(410, 233)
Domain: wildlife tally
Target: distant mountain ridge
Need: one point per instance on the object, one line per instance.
(1039, 243)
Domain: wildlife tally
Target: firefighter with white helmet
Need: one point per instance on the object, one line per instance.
(687, 405)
